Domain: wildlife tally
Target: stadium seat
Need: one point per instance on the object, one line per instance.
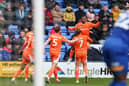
(62, 56)
(47, 48)
(13, 28)
(71, 34)
(63, 29)
(49, 27)
(17, 36)
(74, 9)
(60, 2)
(45, 37)
(68, 37)
(5, 36)
(64, 34)
(67, 46)
(47, 57)
(63, 48)
(104, 2)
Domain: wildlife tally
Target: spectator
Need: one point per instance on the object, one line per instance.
(3, 5)
(48, 17)
(21, 14)
(94, 3)
(50, 4)
(9, 16)
(69, 16)
(29, 20)
(116, 12)
(26, 30)
(2, 40)
(21, 39)
(0, 1)
(15, 3)
(121, 3)
(90, 14)
(79, 13)
(105, 31)
(104, 14)
(72, 3)
(2, 20)
(80, 2)
(6, 53)
(57, 15)
(95, 32)
(15, 50)
(110, 22)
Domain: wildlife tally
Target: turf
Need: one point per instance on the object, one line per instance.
(64, 82)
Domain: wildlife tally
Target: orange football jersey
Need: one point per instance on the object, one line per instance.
(85, 28)
(56, 41)
(29, 39)
(81, 44)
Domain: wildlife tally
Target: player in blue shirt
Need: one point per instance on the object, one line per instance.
(115, 49)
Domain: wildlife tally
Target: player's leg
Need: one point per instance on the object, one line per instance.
(72, 50)
(26, 72)
(55, 60)
(18, 72)
(116, 56)
(51, 71)
(85, 71)
(56, 74)
(30, 61)
(120, 80)
(84, 62)
(78, 60)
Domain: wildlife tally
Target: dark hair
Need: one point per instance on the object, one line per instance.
(57, 29)
(83, 15)
(77, 31)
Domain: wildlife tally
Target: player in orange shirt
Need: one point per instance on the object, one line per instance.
(85, 27)
(81, 53)
(27, 57)
(55, 40)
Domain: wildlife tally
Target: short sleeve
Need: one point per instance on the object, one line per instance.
(64, 39)
(50, 37)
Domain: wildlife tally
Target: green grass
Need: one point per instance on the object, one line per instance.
(64, 82)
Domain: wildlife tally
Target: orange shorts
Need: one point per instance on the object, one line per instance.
(54, 56)
(81, 56)
(27, 57)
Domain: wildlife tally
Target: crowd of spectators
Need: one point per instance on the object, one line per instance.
(16, 19)
(107, 14)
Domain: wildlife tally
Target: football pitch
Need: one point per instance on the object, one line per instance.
(64, 82)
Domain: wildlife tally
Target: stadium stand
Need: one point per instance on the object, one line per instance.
(15, 27)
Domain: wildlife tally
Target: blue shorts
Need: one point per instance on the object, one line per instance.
(115, 52)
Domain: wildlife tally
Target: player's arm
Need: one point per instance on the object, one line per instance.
(89, 40)
(73, 28)
(73, 41)
(49, 39)
(24, 45)
(46, 43)
(94, 25)
(69, 41)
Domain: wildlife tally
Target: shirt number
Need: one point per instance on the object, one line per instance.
(81, 43)
(54, 42)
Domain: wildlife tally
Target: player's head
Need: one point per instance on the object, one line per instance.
(83, 18)
(30, 29)
(77, 31)
(56, 28)
(127, 6)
